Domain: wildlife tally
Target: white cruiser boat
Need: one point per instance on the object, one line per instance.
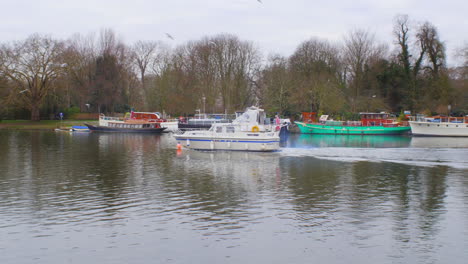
(439, 126)
(250, 131)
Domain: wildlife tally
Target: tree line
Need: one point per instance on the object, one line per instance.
(41, 76)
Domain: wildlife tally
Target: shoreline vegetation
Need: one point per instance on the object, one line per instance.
(225, 73)
(42, 125)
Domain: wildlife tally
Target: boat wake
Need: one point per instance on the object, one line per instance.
(456, 158)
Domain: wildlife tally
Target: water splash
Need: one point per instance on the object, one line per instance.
(456, 158)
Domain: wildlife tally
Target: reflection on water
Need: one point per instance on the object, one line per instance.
(439, 142)
(417, 151)
(357, 141)
(370, 141)
(121, 198)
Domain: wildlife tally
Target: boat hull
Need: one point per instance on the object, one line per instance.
(229, 143)
(125, 130)
(440, 129)
(80, 128)
(308, 128)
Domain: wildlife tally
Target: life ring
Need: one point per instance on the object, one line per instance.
(255, 129)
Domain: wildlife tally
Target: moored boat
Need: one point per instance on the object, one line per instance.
(115, 124)
(439, 126)
(128, 128)
(250, 131)
(80, 129)
(370, 124)
(155, 117)
(203, 121)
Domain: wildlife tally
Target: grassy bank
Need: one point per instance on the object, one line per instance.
(43, 124)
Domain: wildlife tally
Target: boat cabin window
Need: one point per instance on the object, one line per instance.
(229, 129)
(219, 129)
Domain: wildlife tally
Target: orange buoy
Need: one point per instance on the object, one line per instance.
(179, 147)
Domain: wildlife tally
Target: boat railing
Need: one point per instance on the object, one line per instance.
(208, 118)
(111, 118)
(204, 122)
(439, 119)
(352, 123)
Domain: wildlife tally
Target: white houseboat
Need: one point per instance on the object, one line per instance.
(127, 125)
(439, 126)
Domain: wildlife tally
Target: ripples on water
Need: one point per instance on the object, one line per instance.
(117, 198)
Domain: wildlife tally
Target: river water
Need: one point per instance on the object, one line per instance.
(122, 198)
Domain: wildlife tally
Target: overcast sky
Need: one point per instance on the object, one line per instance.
(275, 26)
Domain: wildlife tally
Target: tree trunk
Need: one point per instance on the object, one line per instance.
(35, 114)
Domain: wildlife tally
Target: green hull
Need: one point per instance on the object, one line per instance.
(350, 130)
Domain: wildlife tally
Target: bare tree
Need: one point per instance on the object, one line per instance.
(144, 56)
(401, 32)
(464, 54)
(80, 57)
(411, 64)
(113, 79)
(236, 63)
(429, 38)
(316, 71)
(360, 53)
(276, 85)
(459, 79)
(33, 65)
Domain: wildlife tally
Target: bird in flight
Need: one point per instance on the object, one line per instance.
(260, 1)
(169, 36)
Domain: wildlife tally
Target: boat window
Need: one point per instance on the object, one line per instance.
(229, 129)
(219, 129)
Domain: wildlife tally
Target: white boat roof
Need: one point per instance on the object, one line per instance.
(252, 115)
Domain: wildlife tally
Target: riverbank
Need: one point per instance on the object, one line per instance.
(43, 124)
